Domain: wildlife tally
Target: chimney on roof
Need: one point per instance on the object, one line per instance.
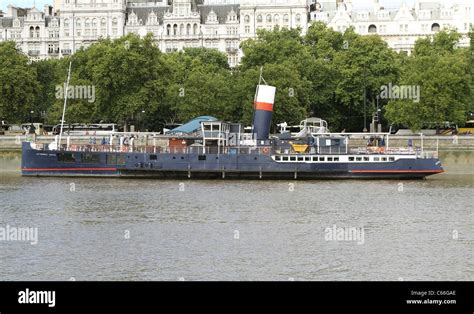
(48, 10)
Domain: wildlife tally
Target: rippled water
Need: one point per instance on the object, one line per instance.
(237, 230)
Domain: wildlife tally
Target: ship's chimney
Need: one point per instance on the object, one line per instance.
(263, 111)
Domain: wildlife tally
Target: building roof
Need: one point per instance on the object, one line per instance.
(221, 11)
(192, 126)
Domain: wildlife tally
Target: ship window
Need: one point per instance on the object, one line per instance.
(202, 157)
(315, 158)
(153, 157)
(336, 158)
(329, 158)
(307, 159)
(366, 158)
(66, 157)
(285, 158)
(120, 159)
(321, 158)
(359, 158)
(111, 159)
(392, 158)
(277, 158)
(384, 158)
(376, 158)
(300, 159)
(293, 158)
(90, 158)
(351, 158)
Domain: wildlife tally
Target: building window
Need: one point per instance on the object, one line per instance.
(259, 18)
(286, 18)
(276, 19)
(372, 29)
(435, 27)
(298, 18)
(269, 18)
(247, 19)
(78, 27)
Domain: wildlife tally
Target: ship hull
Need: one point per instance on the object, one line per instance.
(214, 166)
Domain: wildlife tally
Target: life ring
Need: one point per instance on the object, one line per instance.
(265, 150)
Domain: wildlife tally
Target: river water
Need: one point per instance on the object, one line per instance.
(121, 229)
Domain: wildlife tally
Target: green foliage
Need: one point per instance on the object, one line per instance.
(18, 84)
(443, 73)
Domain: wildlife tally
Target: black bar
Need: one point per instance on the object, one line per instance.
(242, 296)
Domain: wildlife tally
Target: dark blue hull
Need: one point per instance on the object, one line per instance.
(213, 166)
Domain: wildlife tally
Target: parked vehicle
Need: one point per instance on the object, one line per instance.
(86, 129)
(38, 127)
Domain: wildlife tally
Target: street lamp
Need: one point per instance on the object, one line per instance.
(32, 127)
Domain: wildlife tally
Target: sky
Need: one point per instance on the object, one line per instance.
(357, 3)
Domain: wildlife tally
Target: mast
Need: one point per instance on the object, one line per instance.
(64, 107)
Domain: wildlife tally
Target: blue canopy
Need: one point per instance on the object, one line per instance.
(191, 126)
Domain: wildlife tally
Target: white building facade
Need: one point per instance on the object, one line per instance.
(67, 26)
(175, 24)
(400, 28)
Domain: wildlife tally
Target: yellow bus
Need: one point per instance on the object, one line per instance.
(468, 128)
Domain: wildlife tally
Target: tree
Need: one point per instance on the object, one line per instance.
(445, 88)
(18, 85)
(443, 42)
(365, 66)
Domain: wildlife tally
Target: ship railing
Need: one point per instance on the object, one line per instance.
(250, 150)
(384, 150)
(427, 154)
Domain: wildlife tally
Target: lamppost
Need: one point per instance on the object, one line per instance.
(32, 127)
(143, 121)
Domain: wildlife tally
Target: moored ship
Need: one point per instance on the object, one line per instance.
(217, 149)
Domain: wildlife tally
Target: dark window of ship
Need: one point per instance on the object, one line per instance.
(120, 159)
(351, 158)
(359, 158)
(392, 159)
(285, 158)
(111, 159)
(376, 159)
(90, 158)
(336, 158)
(300, 159)
(153, 157)
(307, 159)
(329, 158)
(384, 158)
(202, 157)
(292, 158)
(366, 158)
(66, 157)
(321, 158)
(278, 158)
